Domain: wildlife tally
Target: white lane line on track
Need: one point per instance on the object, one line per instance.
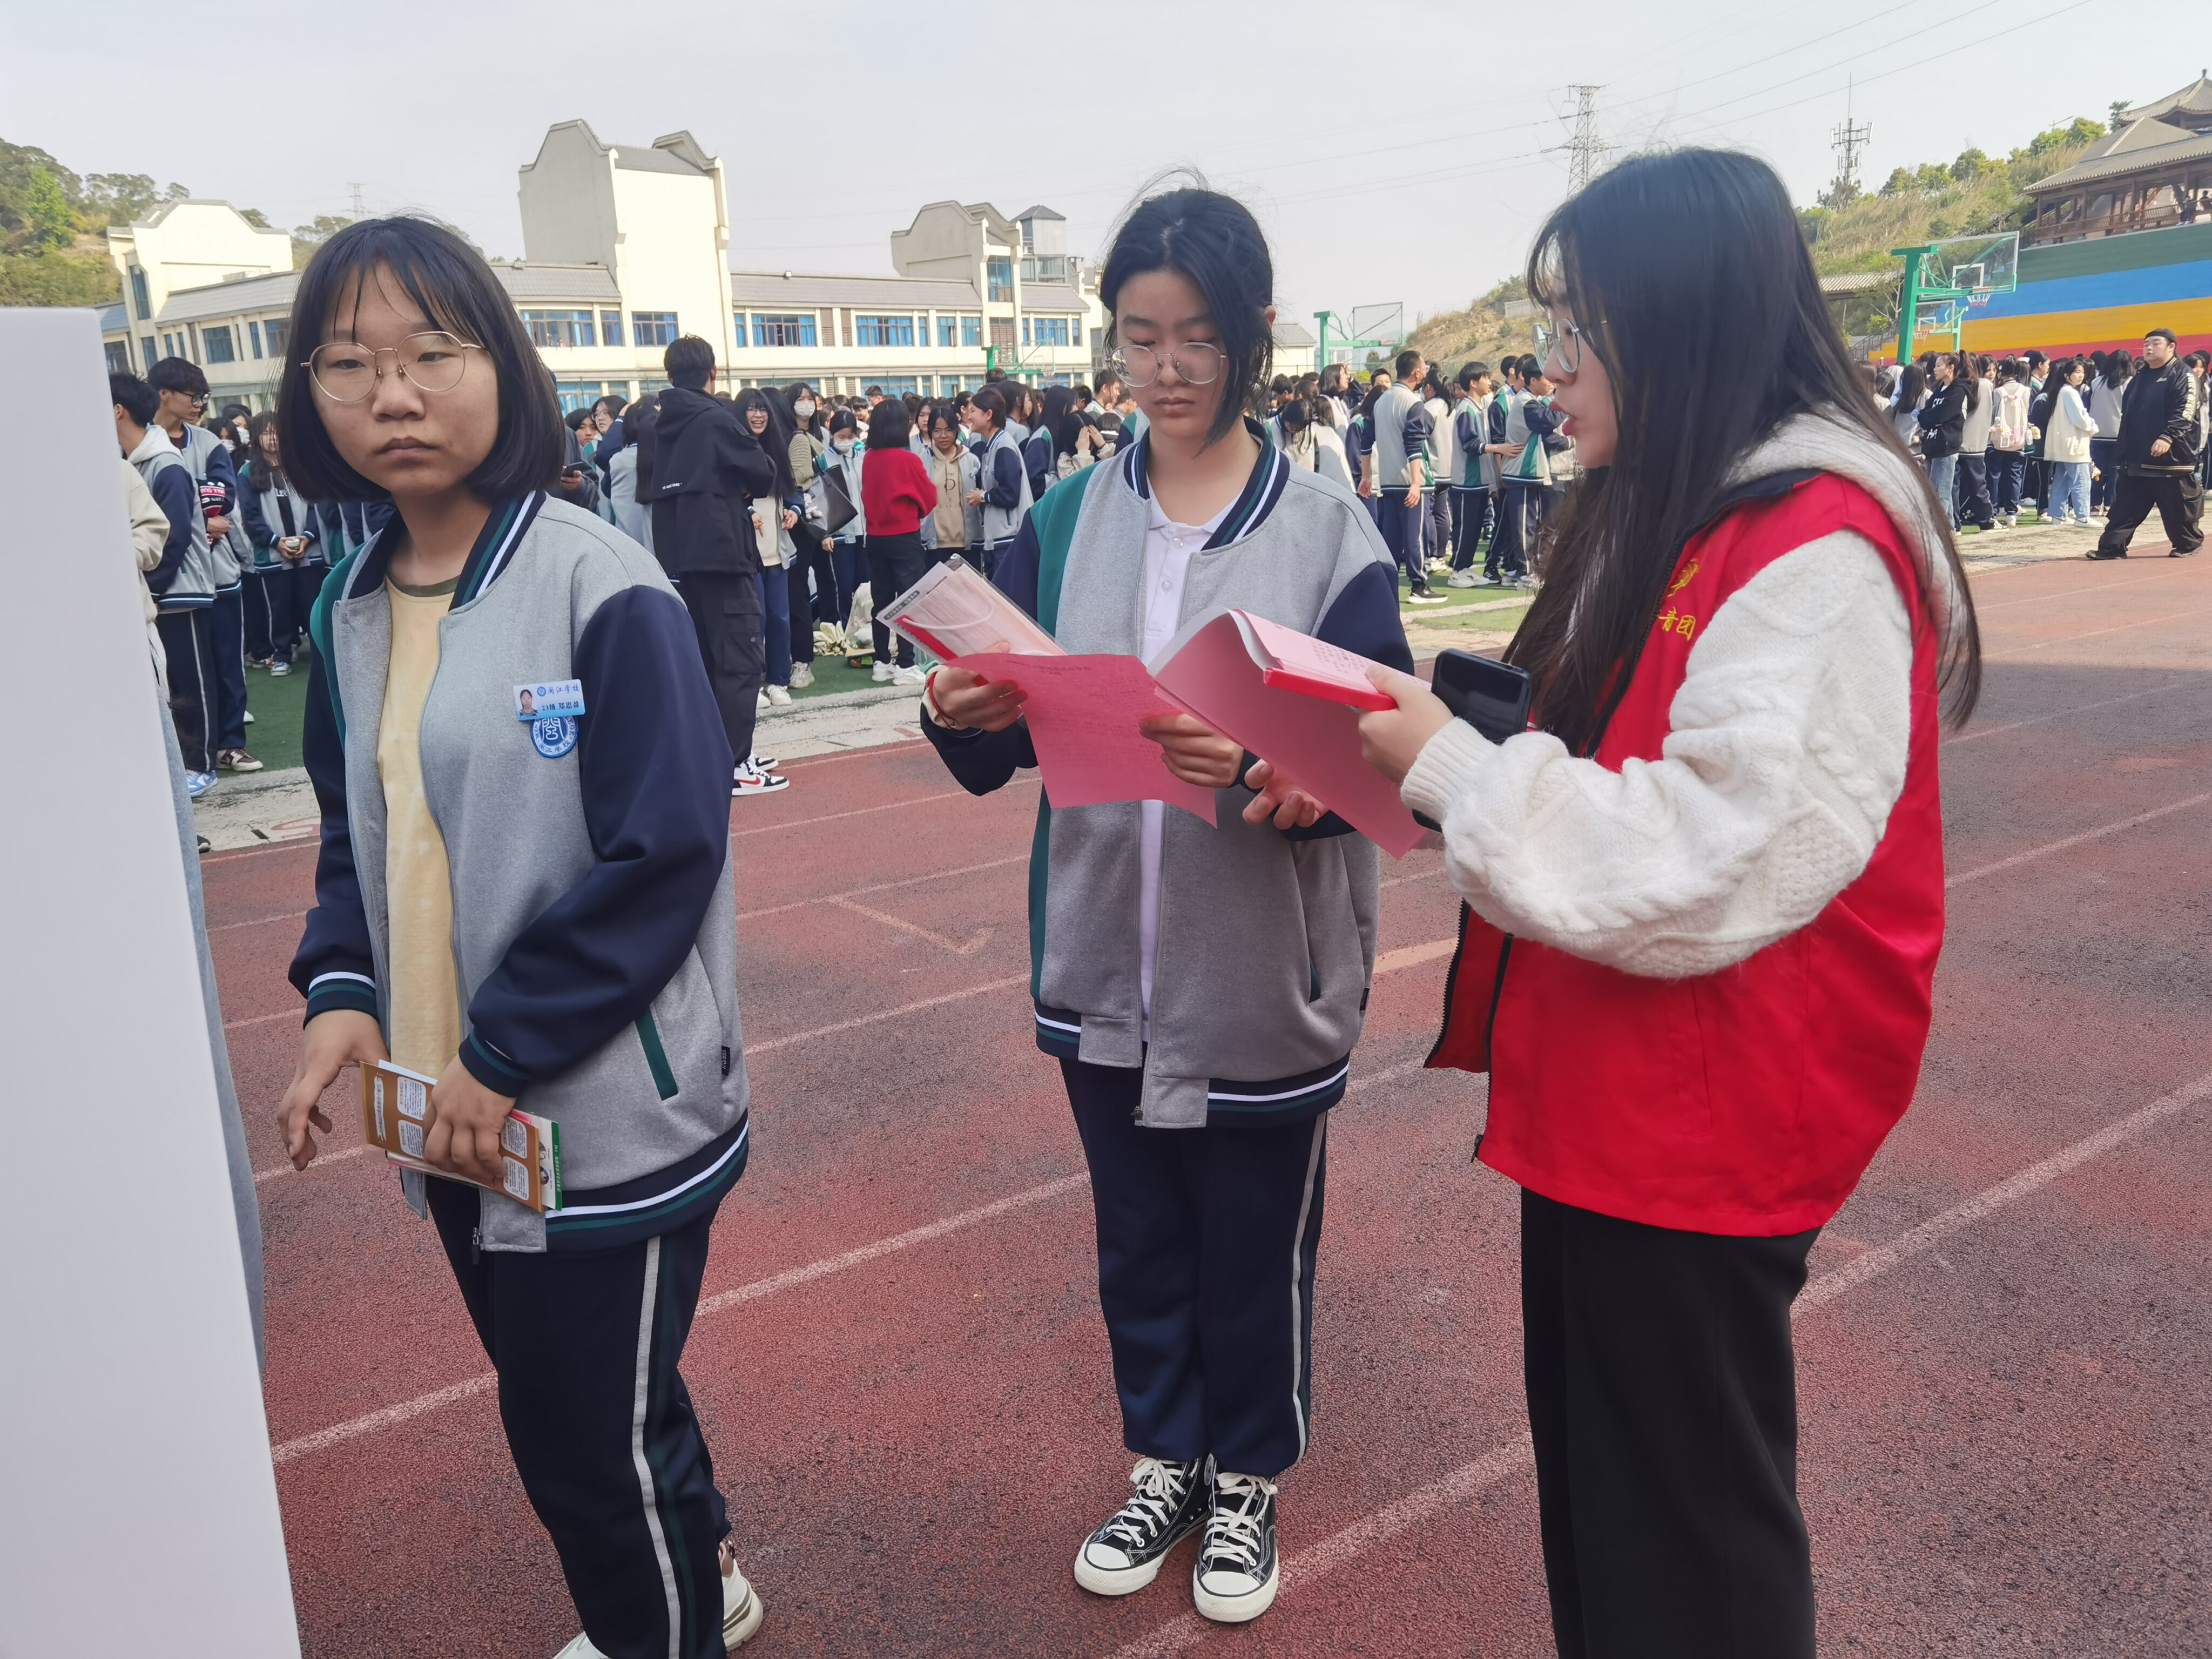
(2034, 853)
(2092, 589)
(1502, 1462)
(2099, 633)
(883, 887)
(2064, 713)
(752, 1048)
(264, 1019)
(861, 811)
(338, 1156)
(259, 922)
(791, 1278)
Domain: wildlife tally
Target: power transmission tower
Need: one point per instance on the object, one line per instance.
(1585, 149)
(360, 209)
(1850, 139)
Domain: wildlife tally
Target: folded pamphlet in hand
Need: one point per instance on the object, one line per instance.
(954, 612)
(396, 1116)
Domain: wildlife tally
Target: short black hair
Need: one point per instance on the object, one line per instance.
(133, 398)
(1471, 370)
(2164, 333)
(992, 402)
(613, 403)
(1407, 362)
(890, 425)
(457, 292)
(1531, 367)
(1214, 241)
(1295, 415)
(575, 418)
(875, 392)
(178, 374)
(688, 362)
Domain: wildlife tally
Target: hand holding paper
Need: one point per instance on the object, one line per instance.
(1084, 714)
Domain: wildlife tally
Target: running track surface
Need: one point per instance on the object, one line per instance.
(2005, 1358)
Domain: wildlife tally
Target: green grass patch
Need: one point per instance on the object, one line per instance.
(279, 706)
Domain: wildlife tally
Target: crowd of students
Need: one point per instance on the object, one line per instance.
(1700, 897)
(2096, 439)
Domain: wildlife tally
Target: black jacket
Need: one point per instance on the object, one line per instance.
(707, 470)
(1943, 419)
(2160, 403)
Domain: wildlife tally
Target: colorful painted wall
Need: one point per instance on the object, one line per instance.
(2074, 297)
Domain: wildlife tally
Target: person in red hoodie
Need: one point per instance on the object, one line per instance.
(895, 492)
(1703, 894)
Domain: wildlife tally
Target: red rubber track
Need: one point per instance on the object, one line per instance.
(2003, 1447)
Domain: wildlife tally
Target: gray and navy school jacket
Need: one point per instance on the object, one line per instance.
(185, 578)
(271, 514)
(1266, 947)
(1007, 497)
(213, 465)
(594, 923)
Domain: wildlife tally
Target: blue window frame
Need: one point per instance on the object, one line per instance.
(999, 277)
(652, 328)
(558, 328)
(790, 331)
(737, 327)
(216, 342)
(579, 394)
(883, 330)
(1051, 331)
(610, 327)
(118, 356)
(896, 385)
(253, 333)
(948, 331)
(971, 334)
(138, 296)
(276, 331)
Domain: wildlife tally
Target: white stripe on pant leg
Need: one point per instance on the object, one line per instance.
(1297, 1269)
(637, 1450)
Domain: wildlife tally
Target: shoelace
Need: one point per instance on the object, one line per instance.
(1160, 1488)
(1232, 1531)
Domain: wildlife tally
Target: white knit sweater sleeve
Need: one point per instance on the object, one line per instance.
(1786, 751)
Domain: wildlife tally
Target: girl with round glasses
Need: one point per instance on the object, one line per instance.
(1704, 893)
(1200, 986)
(534, 911)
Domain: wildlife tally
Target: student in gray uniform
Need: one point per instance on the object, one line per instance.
(536, 911)
(1201, 987)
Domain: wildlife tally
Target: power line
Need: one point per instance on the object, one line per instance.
(1851, 138)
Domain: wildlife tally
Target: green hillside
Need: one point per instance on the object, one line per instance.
(1848, 230)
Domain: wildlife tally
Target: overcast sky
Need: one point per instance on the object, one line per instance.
(1395, 151)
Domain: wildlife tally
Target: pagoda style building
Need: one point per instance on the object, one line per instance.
(2153, 171)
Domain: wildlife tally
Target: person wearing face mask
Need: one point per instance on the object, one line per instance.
(537, 913)
(848, 542)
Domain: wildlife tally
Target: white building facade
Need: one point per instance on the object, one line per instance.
(627, 247)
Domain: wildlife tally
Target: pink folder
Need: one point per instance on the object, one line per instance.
(1222, 674)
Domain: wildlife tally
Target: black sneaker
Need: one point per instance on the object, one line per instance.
(2100, 553)
(1124, 1554)
(1237, 1572)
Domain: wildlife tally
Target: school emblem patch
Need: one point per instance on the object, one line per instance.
(554, 735)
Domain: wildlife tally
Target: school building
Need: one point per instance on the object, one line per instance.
(625, 247)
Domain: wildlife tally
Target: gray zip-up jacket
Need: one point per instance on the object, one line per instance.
(1265, 945)
(593, 916)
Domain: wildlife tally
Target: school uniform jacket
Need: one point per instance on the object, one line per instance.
(1266, 947)
(263, 514)
(184, 580)
(593, 916)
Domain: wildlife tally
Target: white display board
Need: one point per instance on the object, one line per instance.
(138, 1502)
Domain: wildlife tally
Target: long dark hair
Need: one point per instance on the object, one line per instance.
(457, 291)
(775, 438)
(258, 472)
(1062, 418)
(639, 423)
(1690, 278)
(1213, 241)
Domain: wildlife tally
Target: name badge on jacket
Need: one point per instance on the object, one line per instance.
(550, 709)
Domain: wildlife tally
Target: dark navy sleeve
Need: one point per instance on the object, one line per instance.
(222, 470)
(654, 769)
(1419, 424)
(981, 761)
(1463, 425)
(257, 524)
(173, 487)
(1005, 487)
(1036, 457)
(1497, 420)
(333, 968)
(1365, 619)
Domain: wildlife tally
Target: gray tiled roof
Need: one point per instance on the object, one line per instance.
(2115, 163)
(242, 294)
(1294, 334)
(2195, 99)
(799, 290)
(528, 282)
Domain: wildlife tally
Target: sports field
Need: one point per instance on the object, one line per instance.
(2006, 1350)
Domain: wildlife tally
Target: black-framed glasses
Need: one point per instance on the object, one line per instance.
(345, 371)
(1197, 362)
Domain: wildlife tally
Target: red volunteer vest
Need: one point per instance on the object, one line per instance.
(1750, 1101)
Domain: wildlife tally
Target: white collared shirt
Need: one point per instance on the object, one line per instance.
(1168, 548)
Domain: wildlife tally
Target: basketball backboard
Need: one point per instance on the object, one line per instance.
(1380, 326)
(1987, 263)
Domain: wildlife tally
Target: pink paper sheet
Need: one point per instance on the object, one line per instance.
(1082, 712)
(1313, 742)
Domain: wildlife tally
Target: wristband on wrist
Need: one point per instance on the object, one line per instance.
(929, 704)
